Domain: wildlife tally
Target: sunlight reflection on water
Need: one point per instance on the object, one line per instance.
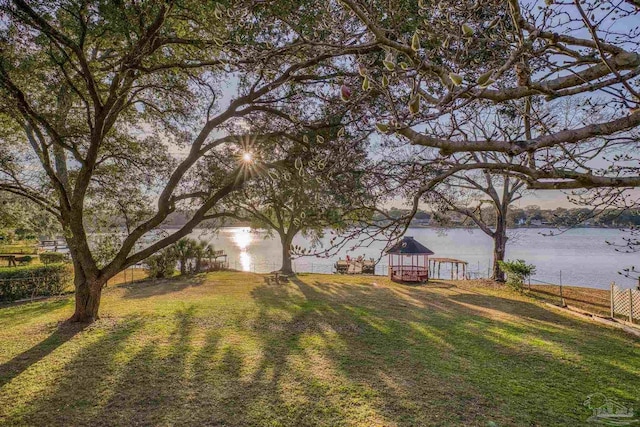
(242, 238)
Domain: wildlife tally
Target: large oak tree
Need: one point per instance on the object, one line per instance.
(116, 104)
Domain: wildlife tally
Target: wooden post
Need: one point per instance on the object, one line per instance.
(451, 271)
(613, 310)
(457, 272)
(561, 295)
(630, 305)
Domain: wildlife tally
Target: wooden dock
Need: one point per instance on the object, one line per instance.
(355, 266)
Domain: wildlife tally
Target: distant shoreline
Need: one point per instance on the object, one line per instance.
(459, 227)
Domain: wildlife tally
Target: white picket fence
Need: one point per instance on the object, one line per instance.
(625, 302)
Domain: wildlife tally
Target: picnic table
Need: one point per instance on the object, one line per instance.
(14, 260)
(11, 260)
(277, 277)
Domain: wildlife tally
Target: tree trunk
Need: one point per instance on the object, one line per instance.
(87, 302)
(499, 250)
(286, 256)
(88, 293)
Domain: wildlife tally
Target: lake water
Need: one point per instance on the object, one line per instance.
(578, 257)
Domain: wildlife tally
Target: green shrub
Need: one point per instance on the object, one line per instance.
(161, 264)
(26, 282)
(7, 236)
(24, 259)
(53, 257)
(517, 271)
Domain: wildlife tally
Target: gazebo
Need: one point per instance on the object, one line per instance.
(409, 261)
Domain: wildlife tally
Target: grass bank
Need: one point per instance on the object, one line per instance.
(228, 349)
(592, 300)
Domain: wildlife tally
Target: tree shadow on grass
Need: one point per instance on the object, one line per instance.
(371, 363)
(476, 301)
(539, 316)
(151, 386)
(17, 311)
(460, 364)
(84, 378)
(280, 390)
(20, 363)
(323, 353)
(157, 287)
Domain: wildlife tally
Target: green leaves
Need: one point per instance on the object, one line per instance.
(382, 127)
(485, 79)
(415, 42)
(456, 79)
(366, 84)
(467, 30)
(389, 62)
(218, 11)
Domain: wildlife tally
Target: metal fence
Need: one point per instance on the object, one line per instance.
(625, 303)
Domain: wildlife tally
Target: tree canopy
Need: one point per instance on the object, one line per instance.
(443, 56)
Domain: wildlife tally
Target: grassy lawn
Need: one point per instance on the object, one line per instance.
(596, 301)
(228, 349)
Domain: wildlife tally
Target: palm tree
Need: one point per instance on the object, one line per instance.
(209, 250)
(201, 249)
(184, 249)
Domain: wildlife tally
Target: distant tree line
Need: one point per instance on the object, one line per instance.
(531, 216)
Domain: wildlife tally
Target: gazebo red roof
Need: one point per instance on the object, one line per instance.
(409, 246)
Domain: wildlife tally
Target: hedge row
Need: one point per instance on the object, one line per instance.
(27, 282)
(53, 257)
(18, 249)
